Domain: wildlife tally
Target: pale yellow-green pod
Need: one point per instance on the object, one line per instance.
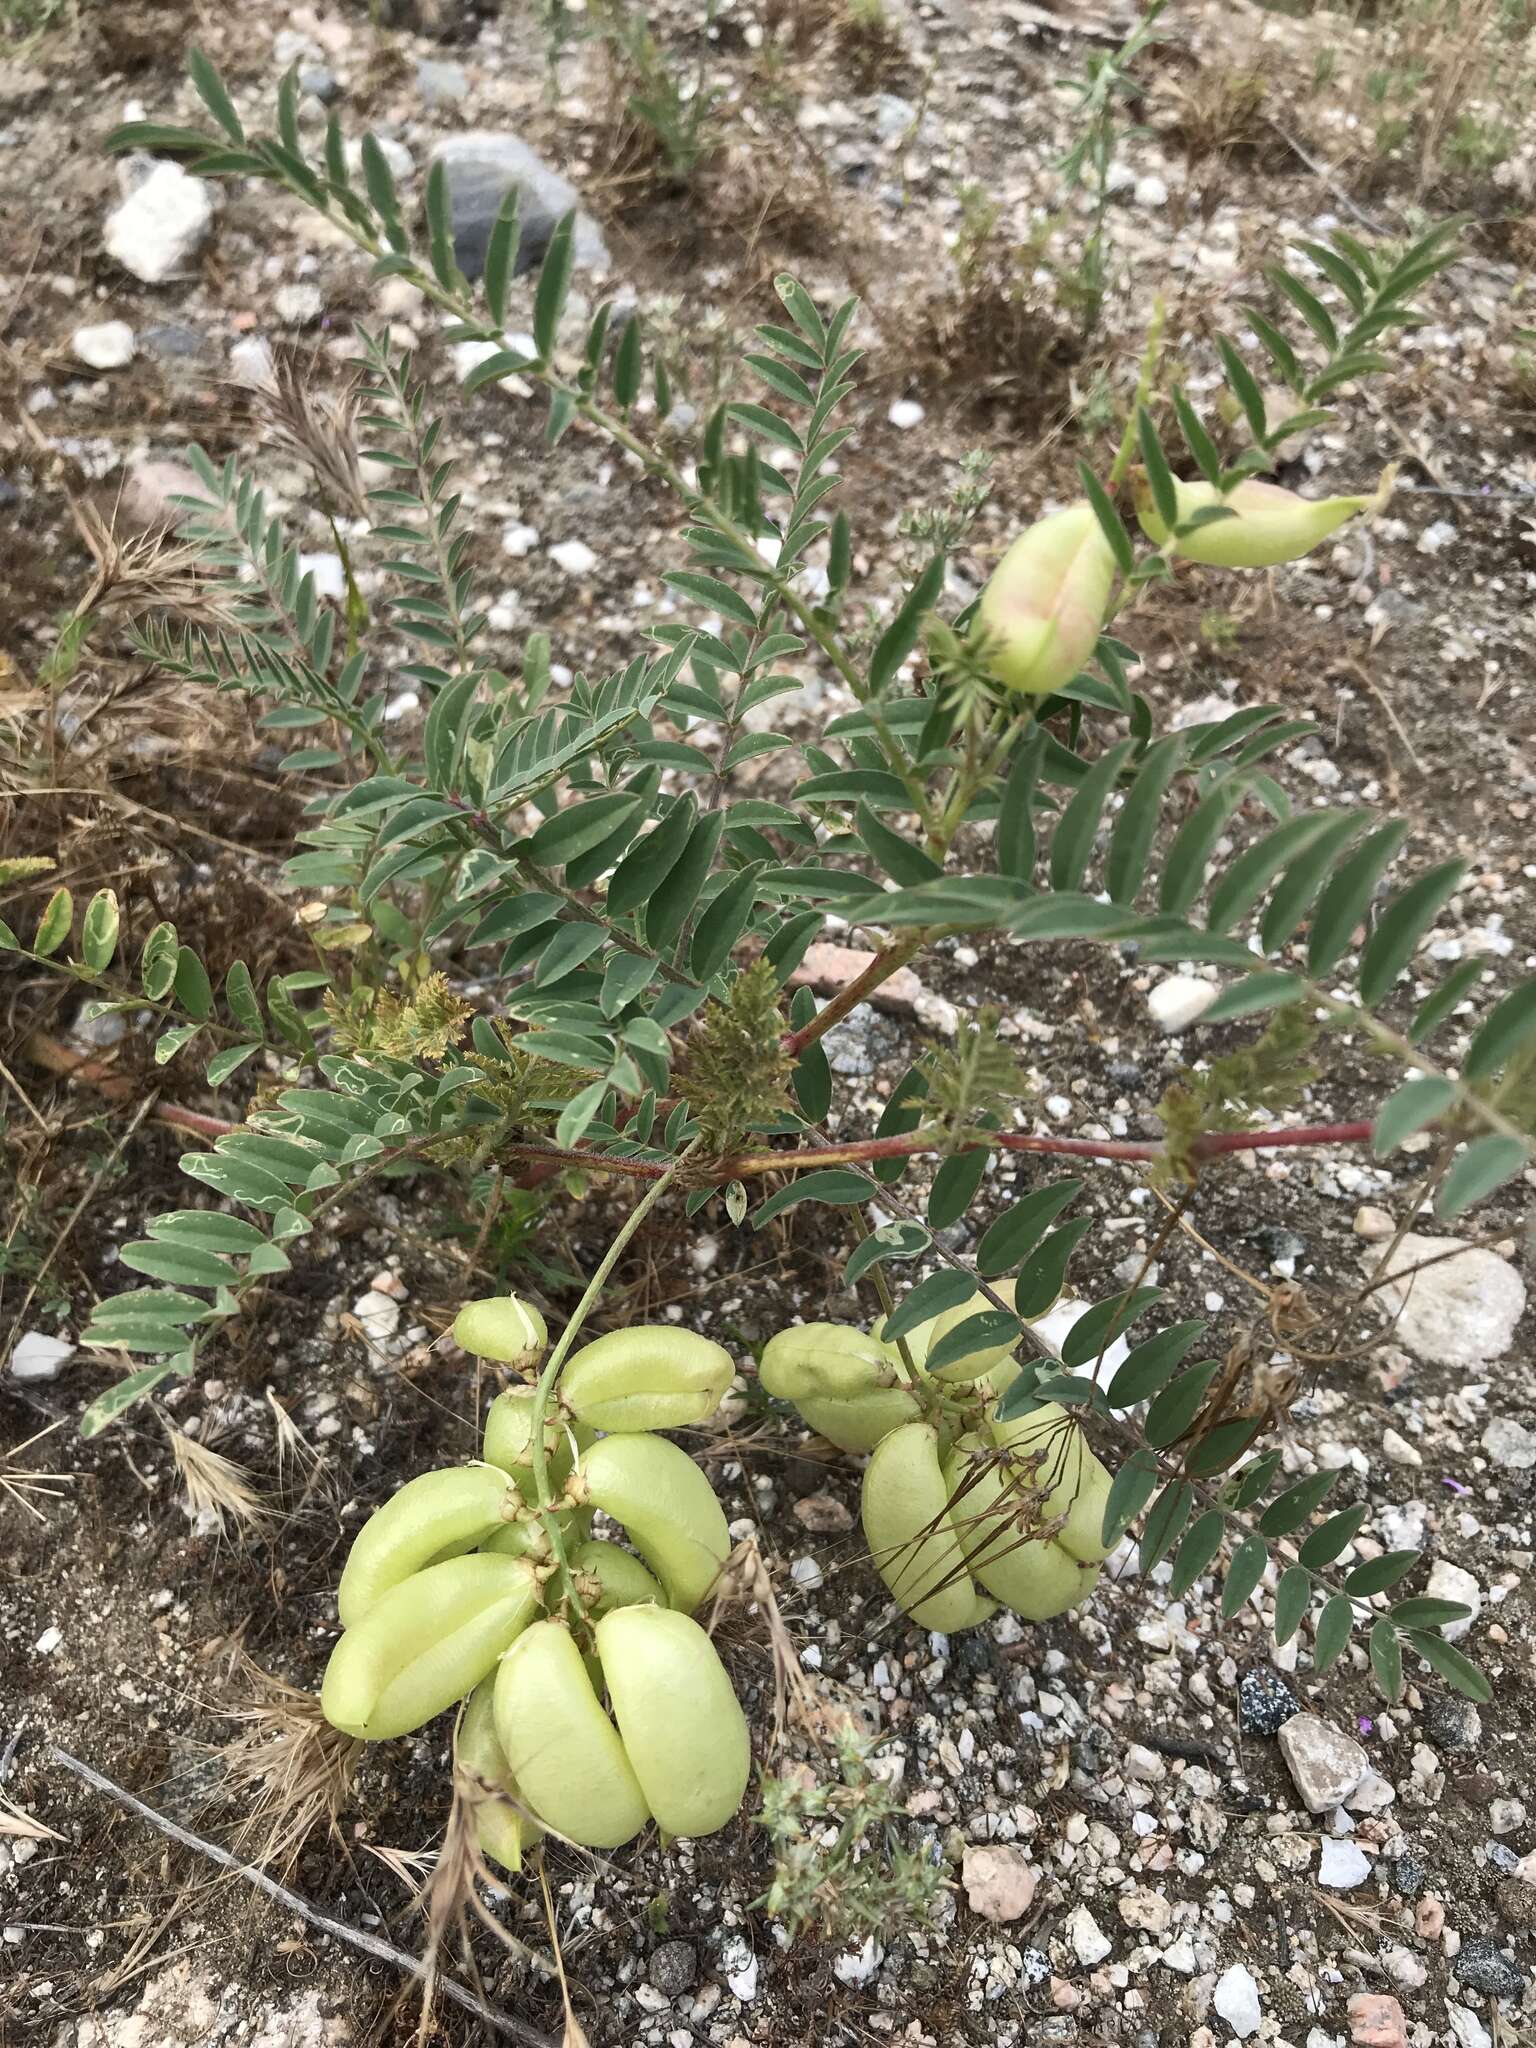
(1040, 616)
(666, 1506)
(825, 1361)
(527, 1538)
(648, 1378)
(624, 1580)
(918, 1343)
(976, 1364)
(504, 1826)
(426, 1643)
(504, 1328)
(907, 1528)
(509, 1439)
(684, 1732)
(1268, 525)
(431, 1517)
(857, 1425)
(560, 1746)
(844, 1382)
(1076, 1485)
(1034, 1576)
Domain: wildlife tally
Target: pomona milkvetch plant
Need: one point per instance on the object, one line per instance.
(640, 918)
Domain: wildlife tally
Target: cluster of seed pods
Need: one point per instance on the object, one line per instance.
(961, 1512)
(587, 1724)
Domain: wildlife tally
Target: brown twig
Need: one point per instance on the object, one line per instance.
(888, 961)
(369, 1944)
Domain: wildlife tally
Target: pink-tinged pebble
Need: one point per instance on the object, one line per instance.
(1376, 2021)
(1428, 1918)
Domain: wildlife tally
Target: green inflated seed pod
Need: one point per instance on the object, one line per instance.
(653, 1377)
(1040, 616)
(1266, 524)
(526, 1537)
(623, 1581)
(559, 1744)
(856, 1426)
(994, 1518)
(906, 1525)
(1072, 1482)
(844, 1383)
(508, 1440)
(430, 1518)
(683, 1729)
(976, 1364)
(504, 1328)
(425, 1643)
(665, 1505)
(504, 1825)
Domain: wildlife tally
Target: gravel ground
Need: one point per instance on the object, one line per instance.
(1156, 1828)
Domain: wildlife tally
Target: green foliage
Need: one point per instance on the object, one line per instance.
(844, 1865)
(736, 1073)
(591, 856)
(1259, 1082)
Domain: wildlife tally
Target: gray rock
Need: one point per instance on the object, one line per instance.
(174, 342)
(674, 1968)
(441, 81)
(1276, 1242)
(482, 168)
(1510, 1443)
(320, 82)
(1483, 1966)
(1265, 1702)
(1409, 1876)
(1326, 1764)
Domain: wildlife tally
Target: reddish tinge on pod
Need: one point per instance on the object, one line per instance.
(1041, 615)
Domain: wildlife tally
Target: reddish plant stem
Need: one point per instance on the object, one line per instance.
(748, 1165)
(885, 963)
(53, 1058)
(1080, 1148)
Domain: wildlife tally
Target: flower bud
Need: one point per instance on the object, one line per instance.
(504, 1328)
(1041, 614)
(1268, 524)
(647, 1378)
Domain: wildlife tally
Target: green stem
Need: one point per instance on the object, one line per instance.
(554, 1364)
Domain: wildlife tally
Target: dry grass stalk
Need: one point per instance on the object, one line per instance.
(745, 1580)
(21, 1826)
(26, 1488)
(214, 1484)
(288, 1769)
(320, 428)
(454, 1891)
